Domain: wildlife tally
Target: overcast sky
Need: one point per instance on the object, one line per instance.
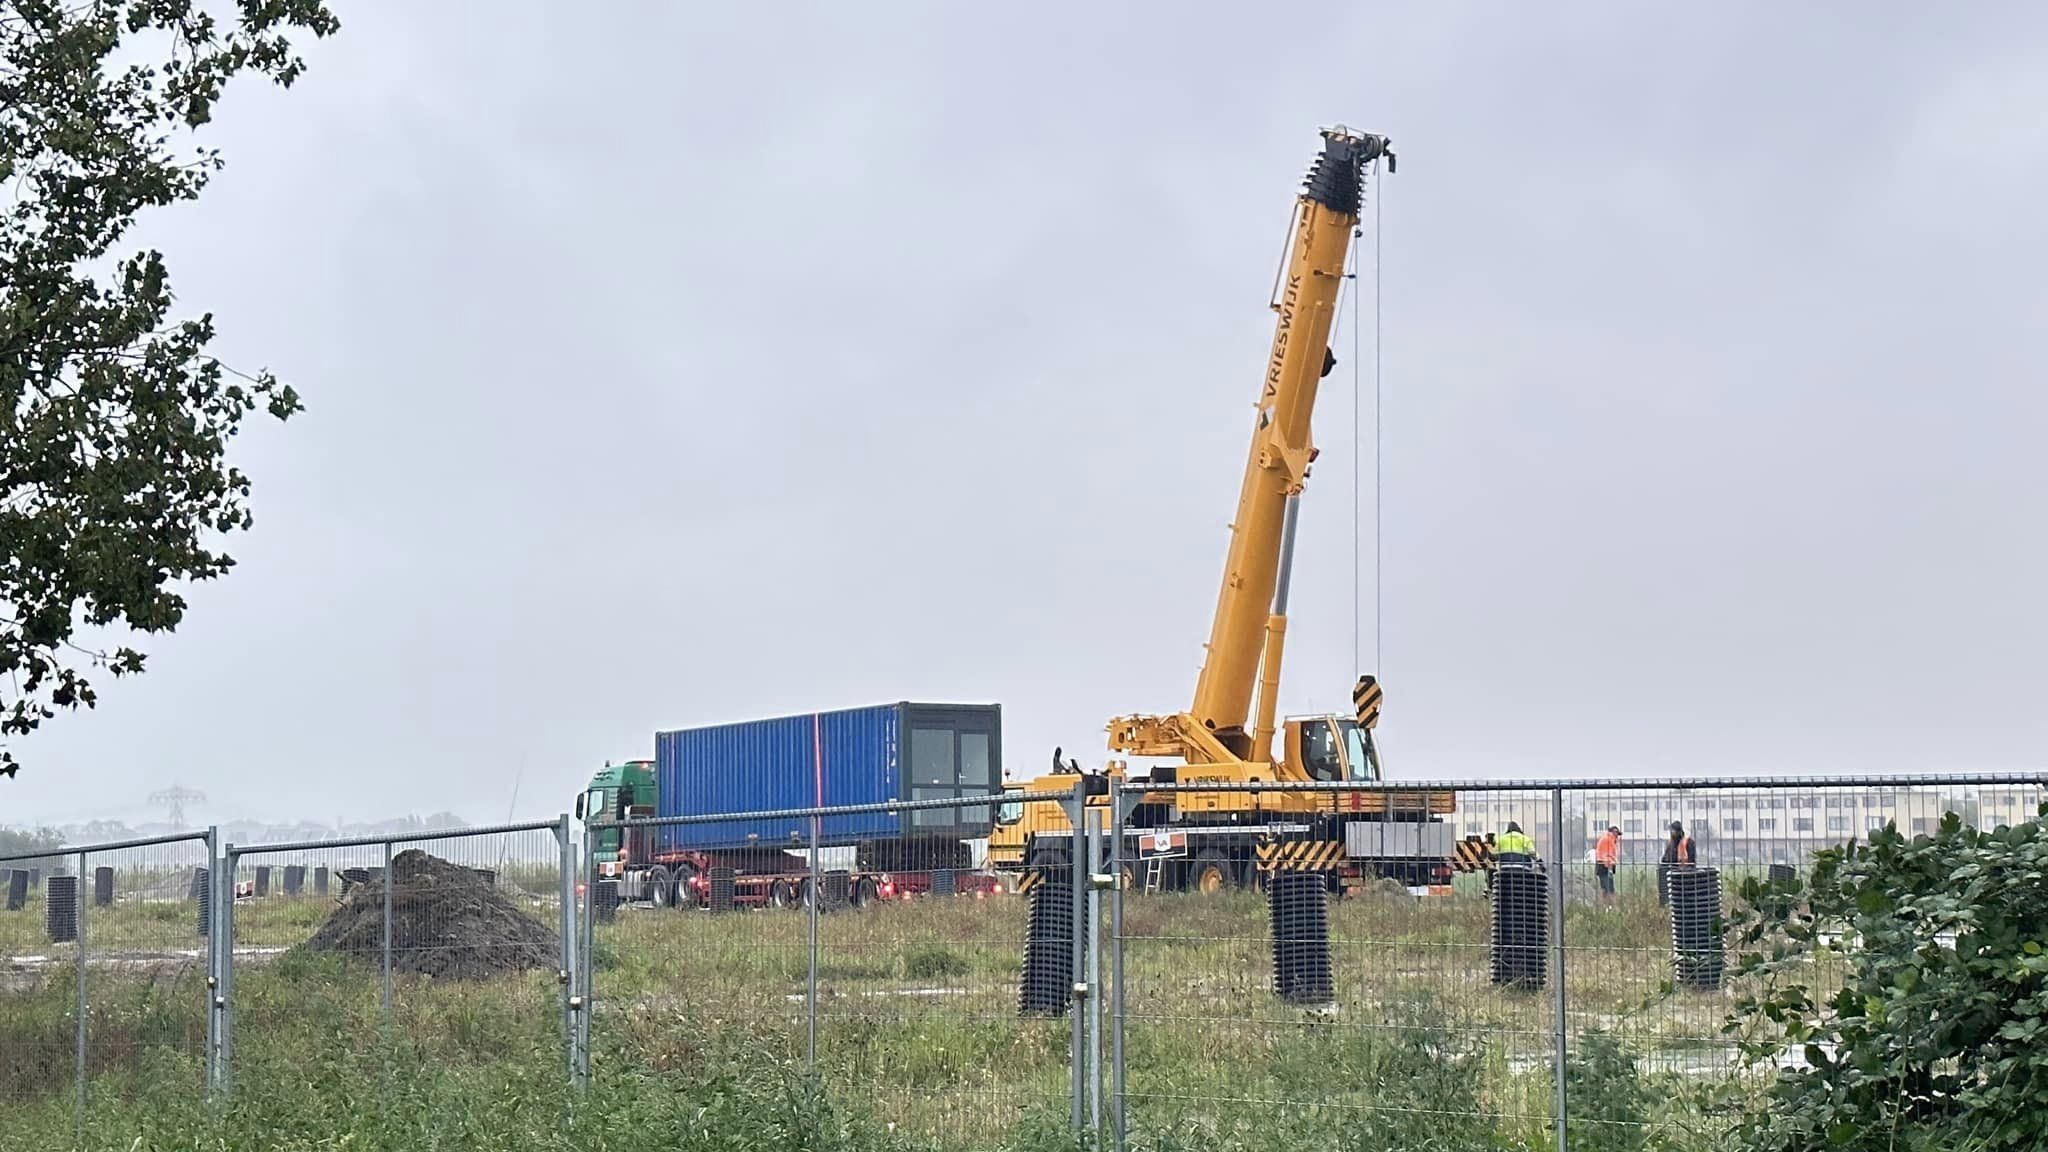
(673, 364)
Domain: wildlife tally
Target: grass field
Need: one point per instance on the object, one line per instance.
(701, 1038)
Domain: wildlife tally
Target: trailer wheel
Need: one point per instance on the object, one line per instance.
(683, 891)
(660, 887)
(865, 893)
(1212, 873)
(781, 894)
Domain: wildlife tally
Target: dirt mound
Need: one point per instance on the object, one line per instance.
(447, 921)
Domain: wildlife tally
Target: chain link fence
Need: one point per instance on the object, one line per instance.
(1517, 966)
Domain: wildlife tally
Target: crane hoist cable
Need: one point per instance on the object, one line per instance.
(1379, 440)
(1353, 287)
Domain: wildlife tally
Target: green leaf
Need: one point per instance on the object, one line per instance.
(115, 416)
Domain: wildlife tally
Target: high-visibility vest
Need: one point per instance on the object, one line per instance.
(1515, 842)
(1608, 850)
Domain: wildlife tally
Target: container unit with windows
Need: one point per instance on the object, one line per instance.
(857, 756)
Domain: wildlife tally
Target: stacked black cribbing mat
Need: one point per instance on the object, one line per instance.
(943, 882)
(1300, 907)
(838, 890)
(1521, 927)
(62, 911)
(1047, 984)
(202, 895)
(1697, 958)
(724, 890)
(604, 899)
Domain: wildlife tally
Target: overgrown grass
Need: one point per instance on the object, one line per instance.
(702, 1038)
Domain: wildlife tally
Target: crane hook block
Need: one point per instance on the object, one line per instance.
(1367, 696)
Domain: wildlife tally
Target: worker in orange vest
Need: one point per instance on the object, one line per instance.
(1677, 854)
(1606, 857)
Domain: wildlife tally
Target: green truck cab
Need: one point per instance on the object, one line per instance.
(616, 791)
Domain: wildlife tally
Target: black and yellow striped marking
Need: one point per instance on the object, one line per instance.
(1366, 698)
(1299, 855)
(1472, 854)
(1029, 879)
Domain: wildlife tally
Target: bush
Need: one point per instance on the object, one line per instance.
(1935, 1039)
(1609, 1104)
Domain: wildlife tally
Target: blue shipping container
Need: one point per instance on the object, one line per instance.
(874, 755)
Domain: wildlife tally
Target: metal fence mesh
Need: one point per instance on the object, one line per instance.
(446, 950)
(103, 966)
(1286, 1004)
(146, 965)
(1273, 983)
(887, 974)
(1449, 1011)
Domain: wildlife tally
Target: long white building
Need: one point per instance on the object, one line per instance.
(1745, 825)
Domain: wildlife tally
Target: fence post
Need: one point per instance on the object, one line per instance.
(79, 1070)
(1077, 824)
(1094, 976)
(567, 923)
(1557, 920)
(588, 1004)
(816, 897)
(1116, 960)
(223, 914)
(389, 879)
(213, 988)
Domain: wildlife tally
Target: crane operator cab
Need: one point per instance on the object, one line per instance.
(1332, 749)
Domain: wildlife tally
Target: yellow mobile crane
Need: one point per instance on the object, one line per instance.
(1230, 836)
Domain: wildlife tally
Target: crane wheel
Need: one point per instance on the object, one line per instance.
(1213, 873)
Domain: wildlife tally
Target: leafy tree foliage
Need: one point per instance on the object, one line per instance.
(1938, 1035)
(14, 842)
(114, 419)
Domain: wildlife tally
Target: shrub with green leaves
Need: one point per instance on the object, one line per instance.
(1610, 1105)
(1937, 1036)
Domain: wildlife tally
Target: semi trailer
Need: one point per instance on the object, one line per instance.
(698, 847)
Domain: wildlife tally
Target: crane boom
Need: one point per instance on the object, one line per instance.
(1221, 824)
(1247, 636)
